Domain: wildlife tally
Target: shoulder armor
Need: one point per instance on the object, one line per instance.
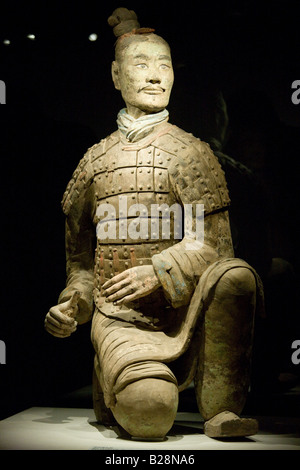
(83, 175)
(104, 145)
(79, 181)
(195, 170)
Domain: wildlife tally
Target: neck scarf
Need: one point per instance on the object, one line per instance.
(136, 129)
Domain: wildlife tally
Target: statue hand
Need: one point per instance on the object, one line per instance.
(131, 284)
(60, 320)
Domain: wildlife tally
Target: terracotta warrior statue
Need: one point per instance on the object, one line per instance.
(165, 309)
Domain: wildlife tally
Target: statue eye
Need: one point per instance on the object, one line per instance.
(141, 66)
(164, 66)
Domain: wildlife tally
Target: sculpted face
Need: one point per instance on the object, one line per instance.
(144, 76)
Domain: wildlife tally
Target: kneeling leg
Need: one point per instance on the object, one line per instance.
(147, 408)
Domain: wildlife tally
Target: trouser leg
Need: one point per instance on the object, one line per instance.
(102, 413)
(223, 372)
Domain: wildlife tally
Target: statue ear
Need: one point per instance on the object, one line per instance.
(115, 74)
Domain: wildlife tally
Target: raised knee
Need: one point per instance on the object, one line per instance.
(147, 408)
(240, 281)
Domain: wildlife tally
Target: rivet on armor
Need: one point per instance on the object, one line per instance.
(160, 185)
(120, 189)
(160, 172)
(198, 173)
(148, 171)
(149, 186)
(131, 186)
(132, 171)
(140, 186)
(160, 162)
(140, 170)
(112, 190)
(140, 162)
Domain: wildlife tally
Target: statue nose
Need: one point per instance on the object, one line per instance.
(154, 80)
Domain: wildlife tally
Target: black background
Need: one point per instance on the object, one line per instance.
(61, 100)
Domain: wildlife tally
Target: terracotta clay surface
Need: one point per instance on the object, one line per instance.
(165, 309)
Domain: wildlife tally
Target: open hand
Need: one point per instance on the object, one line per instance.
(131, 284)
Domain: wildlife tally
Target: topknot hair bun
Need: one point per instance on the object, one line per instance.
(123, 21)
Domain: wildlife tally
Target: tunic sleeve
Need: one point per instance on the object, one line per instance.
(77, 205)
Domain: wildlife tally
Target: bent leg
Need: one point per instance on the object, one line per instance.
(223, 373)
(147, 408)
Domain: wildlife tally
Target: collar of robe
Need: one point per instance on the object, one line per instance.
(136, 129)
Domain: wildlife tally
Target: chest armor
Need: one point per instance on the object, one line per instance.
(129, 182)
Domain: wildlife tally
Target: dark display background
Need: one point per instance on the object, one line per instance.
(61, 100)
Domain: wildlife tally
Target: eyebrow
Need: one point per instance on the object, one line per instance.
(141, 56)
(145, 57)
(164, 57)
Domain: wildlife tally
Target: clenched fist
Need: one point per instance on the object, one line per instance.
(60, 320)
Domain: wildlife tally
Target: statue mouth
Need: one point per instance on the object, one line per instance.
(153, 90)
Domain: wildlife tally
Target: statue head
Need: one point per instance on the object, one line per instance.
(142, 69)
